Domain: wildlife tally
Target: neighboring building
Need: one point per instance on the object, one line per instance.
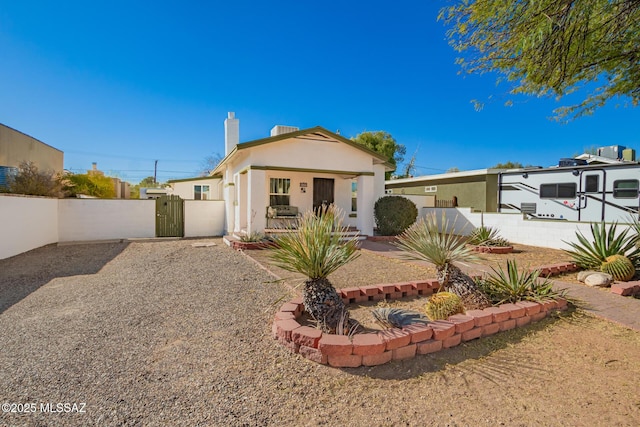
(290, 172)
(204, 188)
(476, 189)
(153, 193)
(17, 147)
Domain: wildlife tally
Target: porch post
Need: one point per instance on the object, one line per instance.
(365, 204)
(257, 200)
(229, 201)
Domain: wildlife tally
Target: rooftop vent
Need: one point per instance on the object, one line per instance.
(611, 152)
(280, 130)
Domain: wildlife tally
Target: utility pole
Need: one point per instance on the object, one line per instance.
(155, 173)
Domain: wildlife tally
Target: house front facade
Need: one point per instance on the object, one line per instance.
(293, 171)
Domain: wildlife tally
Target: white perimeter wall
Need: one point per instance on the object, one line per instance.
(203, 218)
(26, 223)
(546, 234)
(98, 219)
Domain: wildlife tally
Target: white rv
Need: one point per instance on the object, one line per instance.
(593, 193)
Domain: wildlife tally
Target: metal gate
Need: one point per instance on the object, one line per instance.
(169, 216)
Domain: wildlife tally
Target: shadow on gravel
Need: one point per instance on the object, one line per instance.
(481, 357)
(23, 274)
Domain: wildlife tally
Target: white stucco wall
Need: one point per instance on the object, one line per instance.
(203, 218)
(97, 219)
(546, 234)
(26, 223)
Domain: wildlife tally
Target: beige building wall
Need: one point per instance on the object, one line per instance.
(17, 147)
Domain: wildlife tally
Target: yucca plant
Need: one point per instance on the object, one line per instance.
(315, 248)
(605, 241)
(392, 317)
(513, 285)
(486, 236)
(424, 241)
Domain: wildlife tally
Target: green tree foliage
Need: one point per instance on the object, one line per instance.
(148, 182)
(94, 185)
(383, 143)
(33, 182)
(507, 165)
(552, 47)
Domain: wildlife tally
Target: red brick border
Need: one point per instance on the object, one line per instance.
(372, 349)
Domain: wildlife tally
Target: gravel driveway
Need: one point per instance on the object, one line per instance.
(143, 333)
(168, 334)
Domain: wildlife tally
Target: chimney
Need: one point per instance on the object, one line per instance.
(231, 133)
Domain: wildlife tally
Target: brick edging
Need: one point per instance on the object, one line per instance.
(370, 349)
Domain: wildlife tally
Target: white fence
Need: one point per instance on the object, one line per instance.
(546, 234)
(30, 222)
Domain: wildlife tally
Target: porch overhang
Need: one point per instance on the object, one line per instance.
(341, 173)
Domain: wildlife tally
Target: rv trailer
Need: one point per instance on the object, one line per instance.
(593, 193)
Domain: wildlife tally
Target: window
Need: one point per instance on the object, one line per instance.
(591, 184)
(625, 189)
(354, 195)
(565, 190)
(279, 191)
(201, 192)
(431, 189)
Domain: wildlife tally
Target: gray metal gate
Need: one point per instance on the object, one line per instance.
(169, 216)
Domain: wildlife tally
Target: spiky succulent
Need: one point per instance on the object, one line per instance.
(391, 317)
(605, 242)
(620, 267)
(486, 236)
(513, 285)
(442, 305)
(424, 241)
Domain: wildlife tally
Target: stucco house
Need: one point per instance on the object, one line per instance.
(476, 189)
(289, 172)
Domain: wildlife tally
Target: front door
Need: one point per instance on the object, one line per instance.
(322, 192)
(591, 196)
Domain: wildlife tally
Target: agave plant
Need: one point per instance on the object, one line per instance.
(513, 285)
(316, 250)
(486, 236)
(424, 241)
(605, 242)
(392, 317)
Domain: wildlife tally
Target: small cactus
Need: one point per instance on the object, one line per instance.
(620, 267)
(442, 305)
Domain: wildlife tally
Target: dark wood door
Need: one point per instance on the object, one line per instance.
(169, 216)
(322, 192)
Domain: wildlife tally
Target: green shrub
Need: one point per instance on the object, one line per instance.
(442, 305)
(394, 214)
(513, 286)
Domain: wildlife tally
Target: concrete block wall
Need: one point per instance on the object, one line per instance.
(546, 234)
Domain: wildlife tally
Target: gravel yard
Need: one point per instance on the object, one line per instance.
(165, 333)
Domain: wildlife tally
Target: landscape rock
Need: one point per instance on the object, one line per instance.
(582, 275)
(599, 279)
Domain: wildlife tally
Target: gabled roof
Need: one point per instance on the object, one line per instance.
(317, 133)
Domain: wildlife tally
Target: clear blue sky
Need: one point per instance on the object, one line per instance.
(124, 83)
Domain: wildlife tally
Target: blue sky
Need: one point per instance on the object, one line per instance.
(124, 83)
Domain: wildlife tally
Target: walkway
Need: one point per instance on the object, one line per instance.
(615, 308)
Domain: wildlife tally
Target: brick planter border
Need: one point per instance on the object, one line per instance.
(370, 349)
(493, 249)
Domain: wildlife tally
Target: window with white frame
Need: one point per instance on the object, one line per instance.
(279, 191)
(354, 195)
(201, 192)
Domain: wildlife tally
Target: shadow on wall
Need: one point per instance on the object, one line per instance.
(26, 273)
